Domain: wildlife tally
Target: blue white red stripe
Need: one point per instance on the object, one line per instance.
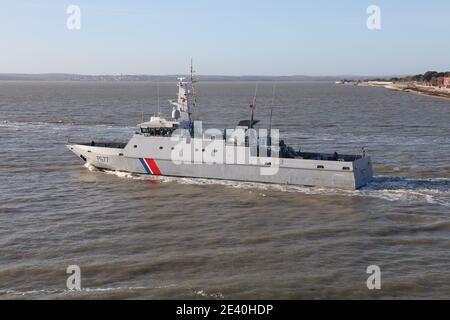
(150, 166)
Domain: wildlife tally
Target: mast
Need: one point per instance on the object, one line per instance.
(271, 111)
(184, 107)
(253, 107)
(157, 93)
(193, 93)
(271, 108)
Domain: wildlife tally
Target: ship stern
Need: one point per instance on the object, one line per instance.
(363, 172)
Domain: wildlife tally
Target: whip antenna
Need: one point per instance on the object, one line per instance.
(157, 93)
(271, 110)
(253, 107)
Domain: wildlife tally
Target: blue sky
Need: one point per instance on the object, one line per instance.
(246, 37)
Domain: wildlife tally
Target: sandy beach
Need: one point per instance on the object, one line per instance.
(443, 93)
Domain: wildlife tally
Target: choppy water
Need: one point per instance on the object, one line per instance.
(141, 237)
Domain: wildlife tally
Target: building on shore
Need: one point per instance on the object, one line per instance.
(446, 82)
(439, 82)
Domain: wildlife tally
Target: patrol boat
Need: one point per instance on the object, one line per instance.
(178, 147)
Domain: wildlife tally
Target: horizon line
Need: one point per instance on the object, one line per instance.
(204, 75)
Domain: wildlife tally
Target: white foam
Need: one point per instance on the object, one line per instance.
(217, 295)
(434, 191)
(83, 290)
(120, 174)
(90, 167)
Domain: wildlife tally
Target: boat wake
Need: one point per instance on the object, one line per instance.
(216, 296)
(434, 191)
(106, 290)
(67, 292)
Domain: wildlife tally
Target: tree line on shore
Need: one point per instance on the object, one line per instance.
(433, 78)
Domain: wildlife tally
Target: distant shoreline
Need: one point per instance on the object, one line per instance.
(422, 90)
(161, 78)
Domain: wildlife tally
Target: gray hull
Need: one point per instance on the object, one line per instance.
(153, 156)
